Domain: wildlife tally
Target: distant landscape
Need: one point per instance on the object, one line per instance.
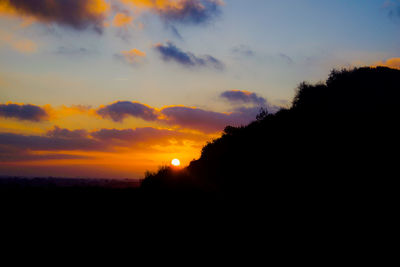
(60, 182)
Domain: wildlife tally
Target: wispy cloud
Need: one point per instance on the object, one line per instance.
(122, 20)
(22, 45)
(243, 50)
(170, 52)
(286, 58)
(246, 99)
(240, 96)
(72, 51)
(132, 57)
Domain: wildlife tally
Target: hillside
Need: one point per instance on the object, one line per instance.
(335, 142)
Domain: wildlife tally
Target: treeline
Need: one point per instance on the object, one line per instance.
(336, 142)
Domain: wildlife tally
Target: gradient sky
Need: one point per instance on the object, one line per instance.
(112, 88)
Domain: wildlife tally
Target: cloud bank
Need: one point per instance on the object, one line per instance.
(180, 116)
(246, 107)
(18, 147)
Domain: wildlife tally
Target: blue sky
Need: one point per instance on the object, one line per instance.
(291, 40)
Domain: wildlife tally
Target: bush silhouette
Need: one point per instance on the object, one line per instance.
(333, 143)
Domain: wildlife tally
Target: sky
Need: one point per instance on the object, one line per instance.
(113, 88)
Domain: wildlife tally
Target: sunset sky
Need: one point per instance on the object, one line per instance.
(112, 88)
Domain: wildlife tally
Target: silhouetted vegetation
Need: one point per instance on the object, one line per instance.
(334, 144)
(337, 144)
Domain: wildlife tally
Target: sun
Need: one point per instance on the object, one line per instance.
(176, 162)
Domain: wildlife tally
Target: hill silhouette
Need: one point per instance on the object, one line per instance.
(336, 143)
(315, 181)
(334, 148)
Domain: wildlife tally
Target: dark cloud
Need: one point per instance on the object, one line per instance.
(142, 134)
(191, 11)
(175, 32)
(17, 147)
(207, 121)
(120, 110)
(77, 14)
(170, 52)
(49, 143)
(58, 132)
(237, 96)
(146, 135)
(185, 117)
(23, 112)
(27, 156)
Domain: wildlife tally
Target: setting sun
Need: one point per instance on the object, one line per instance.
(176, 162)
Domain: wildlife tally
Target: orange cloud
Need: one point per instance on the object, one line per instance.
(132, 57)
(186, 11)
(393, 63)
(21, 45)
(162, 4)
(65, 111)
(122, 20)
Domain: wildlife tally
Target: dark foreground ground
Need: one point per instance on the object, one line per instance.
(26, 189)
(316, 183)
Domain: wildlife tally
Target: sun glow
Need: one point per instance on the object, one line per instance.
(176, 162)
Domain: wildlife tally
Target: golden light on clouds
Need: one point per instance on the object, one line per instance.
(21, 45)
(168, 5)
(134, 56)
(94, 7)
(76, 14)
(98, 6)
(6, 9)
(121, 20)
(159, 4)
(393, 63)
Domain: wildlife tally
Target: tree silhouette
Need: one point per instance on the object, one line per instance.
(332, 142)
